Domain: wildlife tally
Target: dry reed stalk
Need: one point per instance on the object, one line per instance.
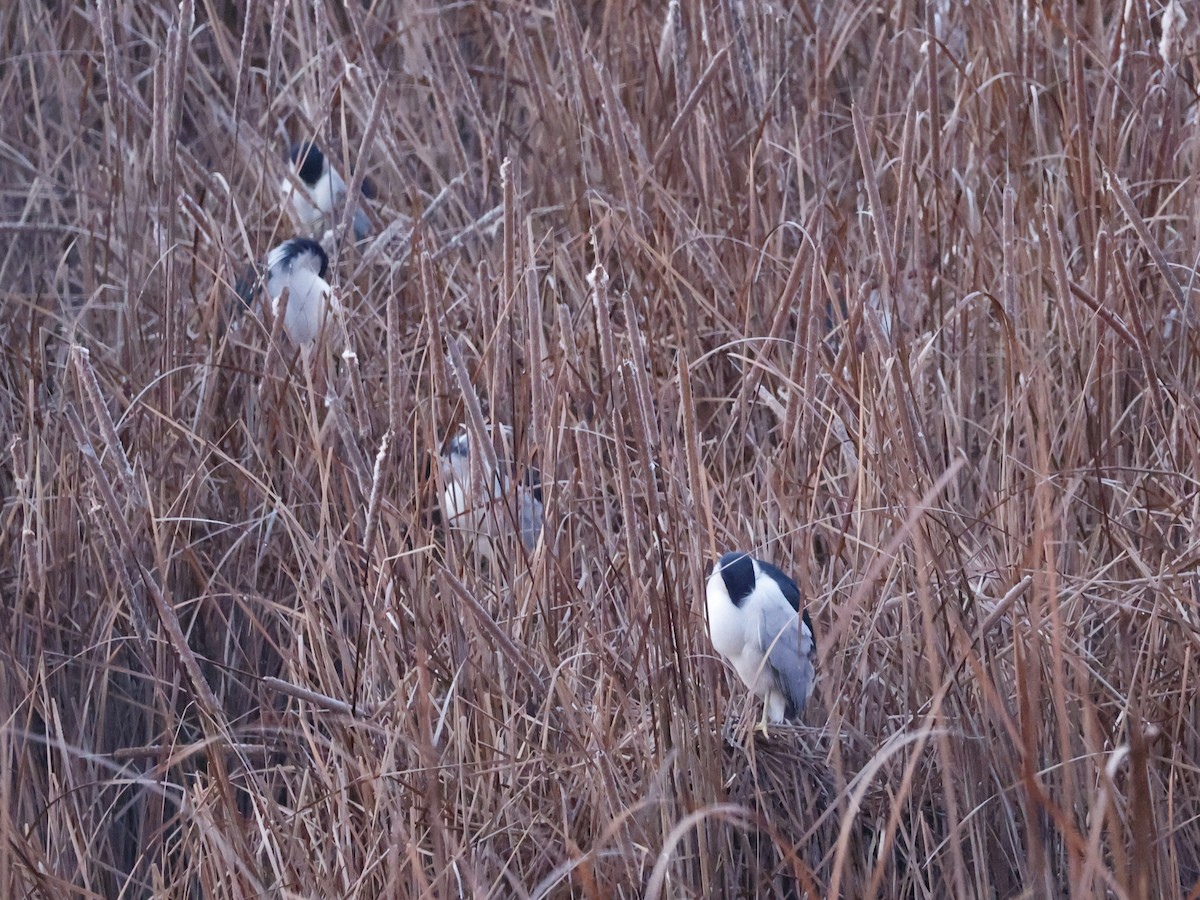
(882, 231)
(988, 498)
(358, 173)
(484, 461)
(675, 133)
(535, 351)
(166, 615)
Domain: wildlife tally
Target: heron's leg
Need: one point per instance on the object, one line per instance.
(762, 724)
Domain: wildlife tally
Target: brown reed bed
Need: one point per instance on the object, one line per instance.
(897, 295)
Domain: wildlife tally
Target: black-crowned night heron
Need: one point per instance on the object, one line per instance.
(482, 505)
(756, 622)
(321, 203)
(300, 266)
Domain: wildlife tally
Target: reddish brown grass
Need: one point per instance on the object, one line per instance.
(898, 295)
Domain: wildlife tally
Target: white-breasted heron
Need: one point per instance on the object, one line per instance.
(757, 622)
(485, 506)
(325, 191)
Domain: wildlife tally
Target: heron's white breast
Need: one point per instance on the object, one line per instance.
(302, 201)
(730, 628)
(735, 633)
(328, 191)
(308, 296)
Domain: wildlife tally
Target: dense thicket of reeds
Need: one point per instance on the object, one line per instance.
(899, 295)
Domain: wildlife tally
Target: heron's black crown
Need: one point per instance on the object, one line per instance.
(737, 571)
(309, 162)
(290, 251)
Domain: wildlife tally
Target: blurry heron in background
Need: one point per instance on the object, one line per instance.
(321, 201)
(756, 622)
(482, 505)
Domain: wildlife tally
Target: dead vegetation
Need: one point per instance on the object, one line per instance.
(899, 295)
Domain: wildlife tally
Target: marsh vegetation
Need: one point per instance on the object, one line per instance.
(899, 296)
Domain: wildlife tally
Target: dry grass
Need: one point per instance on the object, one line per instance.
(900, 297)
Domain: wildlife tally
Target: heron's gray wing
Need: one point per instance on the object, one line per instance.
(362, 225)
(790, 653)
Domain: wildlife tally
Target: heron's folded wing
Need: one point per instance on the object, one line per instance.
(529, 516)
(790, 650)
(362, 225)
